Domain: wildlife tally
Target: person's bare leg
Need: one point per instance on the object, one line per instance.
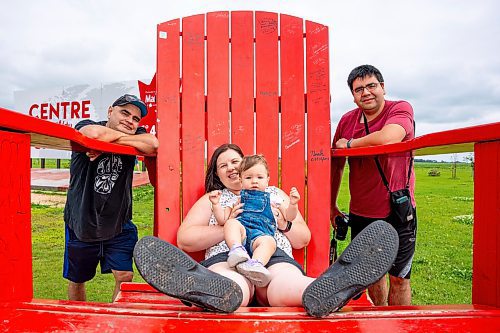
(121, 276)
(286, 287)
(234, 232)
(254, 269)
(378, 291)
(263, 248)
(400, 291)
(247, 288)
(76, 291)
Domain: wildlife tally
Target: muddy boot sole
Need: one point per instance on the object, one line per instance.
(176, 274)
(364, 261)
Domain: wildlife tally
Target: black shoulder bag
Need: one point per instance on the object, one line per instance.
(401, 207)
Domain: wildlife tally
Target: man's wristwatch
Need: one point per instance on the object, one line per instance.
(288, 227)
(348, 144)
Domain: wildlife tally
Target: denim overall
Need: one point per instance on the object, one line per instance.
(257, 216)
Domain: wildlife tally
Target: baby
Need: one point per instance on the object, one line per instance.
(251, 233)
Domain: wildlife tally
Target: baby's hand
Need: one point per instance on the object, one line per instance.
(294, 196)
(214, 196)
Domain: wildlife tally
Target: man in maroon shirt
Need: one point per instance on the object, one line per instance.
(387, 122)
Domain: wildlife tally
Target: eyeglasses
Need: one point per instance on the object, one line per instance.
(370, 87)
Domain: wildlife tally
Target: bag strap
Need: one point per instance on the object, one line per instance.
(377, 162)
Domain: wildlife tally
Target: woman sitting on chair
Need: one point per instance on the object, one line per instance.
(221, 288)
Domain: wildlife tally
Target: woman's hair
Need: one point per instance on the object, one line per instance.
(212, 180)
(252, 160)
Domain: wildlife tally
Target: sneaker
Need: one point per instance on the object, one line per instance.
(364, 261)
(238, 254)
(254, 271)
(173, 272)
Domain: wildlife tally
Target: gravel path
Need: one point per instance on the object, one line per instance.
(53, 200)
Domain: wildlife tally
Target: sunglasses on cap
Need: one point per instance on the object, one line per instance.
(134, 100)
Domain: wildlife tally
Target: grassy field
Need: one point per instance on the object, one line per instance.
(442, 265)
(48, 249)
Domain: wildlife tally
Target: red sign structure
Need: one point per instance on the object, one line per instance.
(148, 95)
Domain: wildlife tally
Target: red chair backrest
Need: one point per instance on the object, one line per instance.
(256, 79)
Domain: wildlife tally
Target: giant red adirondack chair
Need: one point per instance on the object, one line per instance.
(259, 80)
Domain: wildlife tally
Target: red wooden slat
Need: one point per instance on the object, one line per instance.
(318, 146)
(193, 110)
(16, 279)
(142, 293)
(452, 141)
(242, 101)
(44, 316)
(217, 80)
(167, 201)
(292, 109)
(267, 99)
(486, 245)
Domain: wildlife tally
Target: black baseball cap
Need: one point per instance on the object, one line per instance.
(134, 100)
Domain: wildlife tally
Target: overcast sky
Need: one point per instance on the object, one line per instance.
(442, 56)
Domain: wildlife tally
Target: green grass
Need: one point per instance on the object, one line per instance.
(443, 260)
(50, 163)
(442, 266)
(442, 270)
(48, 249)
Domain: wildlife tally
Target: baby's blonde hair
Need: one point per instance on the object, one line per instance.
(250, 161)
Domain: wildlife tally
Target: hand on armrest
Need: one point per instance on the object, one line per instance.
(146, 143)
(102, 133)
(390, 133)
